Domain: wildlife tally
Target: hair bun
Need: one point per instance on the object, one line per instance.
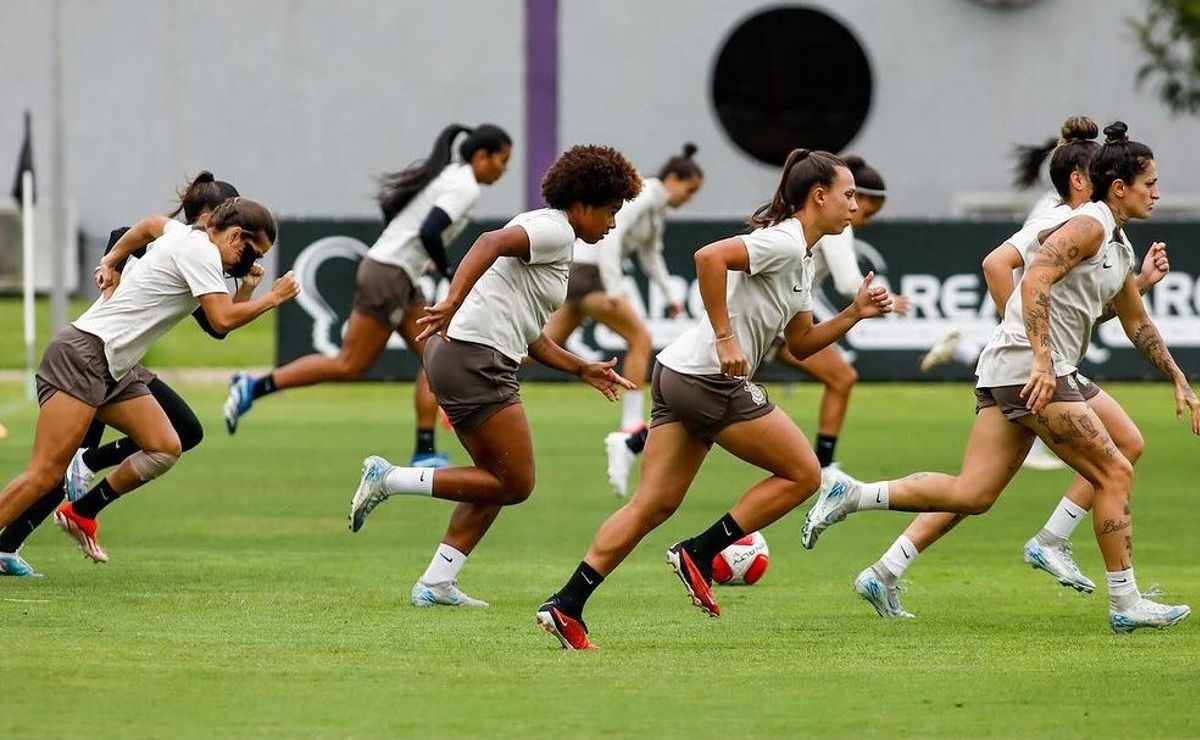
(853, 162)
(1116, 133)
(689, 150)
(204, 176)
(1079, 128)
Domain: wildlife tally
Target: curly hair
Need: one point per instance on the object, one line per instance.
(591, 175)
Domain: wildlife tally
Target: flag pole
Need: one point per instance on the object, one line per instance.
(27, 278)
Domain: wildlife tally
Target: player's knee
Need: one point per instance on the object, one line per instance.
(977, 501)
(640, 340)
(843, 382)
(191, 433)
(1132, 447)
(350, 368)
(1117, 476)
(517, 487)
(44, 476)
(151, 464)
(805, 482)
(653, 513)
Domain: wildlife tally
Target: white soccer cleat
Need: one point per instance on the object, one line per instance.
(78, 479)
(942, 351)
(620, 462)
(369, 493)
(875, 589)
(446, 593)
(1147, 613)
(1041, 458)
(1058, 562)
(837, 497)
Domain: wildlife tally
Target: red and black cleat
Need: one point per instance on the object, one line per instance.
(697, 583)
(570, 632)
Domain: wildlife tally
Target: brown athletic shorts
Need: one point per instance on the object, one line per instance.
(385, 292)
(583, 280)
(74, 363)
(704, 404)
(471, 381)
(1075, 388)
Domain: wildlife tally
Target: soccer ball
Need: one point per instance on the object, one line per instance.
(743, 562)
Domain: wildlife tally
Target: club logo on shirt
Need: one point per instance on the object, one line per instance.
(1071, 383)
(756, 393)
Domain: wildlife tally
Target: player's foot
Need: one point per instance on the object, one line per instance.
(1041, 458)
(620, 462)
(436, 460)
(446, 593)
(78, 479)
(12, 564)
(697, 582)
(570, 631)
(881, 594)
(369, 493)
(835, 499)
(82, 530)
(1147, 613)
(239, 400)
(942, 350)
(1057, 561)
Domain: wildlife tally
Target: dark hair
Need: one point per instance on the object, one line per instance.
(682, 165)
(248, 214)
(398, 188)
(591, 175)
(1119, 159)
(1072, 150)
(803, 170)
(866, 177)
(203, 193)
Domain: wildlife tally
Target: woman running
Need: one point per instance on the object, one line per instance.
(426, 206)
(595, 288)
(702, 391)
(90, 370)
(501, 296)
(1029, 385)
(196, 203)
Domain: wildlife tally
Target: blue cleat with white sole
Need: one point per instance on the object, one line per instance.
(836, 498)
(370, 492)
(1058, 562)
(78, 479)
(239, 400)
(12, 564)
(879, 594)
(1147, 613)
(446, 593)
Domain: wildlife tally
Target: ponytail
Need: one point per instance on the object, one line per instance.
(803, 170)
(398, 188)
(682, 165)
(1028, 168)
(204, 193)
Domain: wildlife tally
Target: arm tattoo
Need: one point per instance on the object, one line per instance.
(1150, 343)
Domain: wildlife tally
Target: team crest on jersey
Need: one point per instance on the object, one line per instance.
(756, 393)
(1071, 383)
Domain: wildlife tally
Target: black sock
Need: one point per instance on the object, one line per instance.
(425, 443)
(106, 456)
(637, 441)
(825, 445)
(263, 386)
(94, 501)
(15, 534)
(713, 540)
(579, 589)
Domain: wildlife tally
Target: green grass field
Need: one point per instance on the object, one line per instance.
(237, 604)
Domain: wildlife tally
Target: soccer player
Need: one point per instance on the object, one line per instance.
(90, 370)
(426, 206)
(503, 293)
(702, 392)
(1029, 385)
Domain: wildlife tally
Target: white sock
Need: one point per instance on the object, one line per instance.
(1122, 589)
(873, 496)
(412, 481)
(631, 410)
(898, 557)
(1062, 522)
(446, 564)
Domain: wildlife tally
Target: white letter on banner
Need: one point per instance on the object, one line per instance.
(960, 296)
(922, 291)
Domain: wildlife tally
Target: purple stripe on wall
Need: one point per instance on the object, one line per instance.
(541, 95)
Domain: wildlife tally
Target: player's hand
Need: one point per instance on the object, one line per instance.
(1185, 396)
(1038, 391)
(602, 377)
(872, 300)
(107, 278)
(732, 358)
(675, 310)
(253, 278)
(901, 304)
(1155, 266)
(436, 320)
(285, 288)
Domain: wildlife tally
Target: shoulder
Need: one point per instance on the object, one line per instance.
(460, 177)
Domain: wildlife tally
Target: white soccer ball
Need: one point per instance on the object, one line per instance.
(743, 562)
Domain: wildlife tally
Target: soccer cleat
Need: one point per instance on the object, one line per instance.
(1146, 613)
(570, 631)
(435, 460)
(446, 593)
(620, 462)
(1041, 458)
(12, 564)
(82, 530)
(78, 478)
(942, 351)
(697, 582)
(838, 493)
(875, 589)
(239, 400)
(369, 493)
(1057, 561)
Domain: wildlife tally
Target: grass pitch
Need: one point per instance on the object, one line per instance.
(238, 605)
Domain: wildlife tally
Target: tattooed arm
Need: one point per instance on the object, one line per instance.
(1068, 245)
(1144, 335)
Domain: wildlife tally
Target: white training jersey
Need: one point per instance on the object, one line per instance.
(455, 191)
(155, 292)
(510, 304)
(639, 230)
(761, 302)
(1076, 301)
(1043, 205)
(835, 256)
